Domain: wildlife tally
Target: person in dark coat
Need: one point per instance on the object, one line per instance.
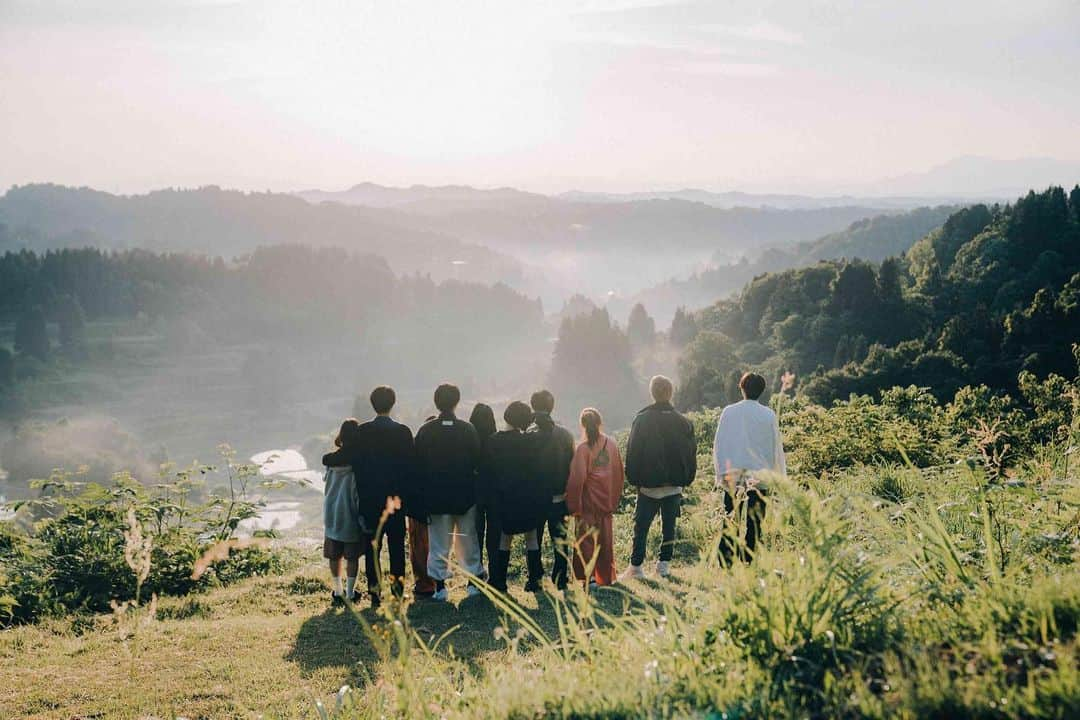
(448, 457)
(487, 527)
(519, 500)
(661, 459)
(555, 450)
(383, 464)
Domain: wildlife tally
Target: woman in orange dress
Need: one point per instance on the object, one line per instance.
(592, 495)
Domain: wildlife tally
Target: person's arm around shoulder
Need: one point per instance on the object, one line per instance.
(342, 457)
(575, 484)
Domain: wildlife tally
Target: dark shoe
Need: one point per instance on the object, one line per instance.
(499, 566)
(354, 599)
(536, 570)
(336, 600)
(375, 600)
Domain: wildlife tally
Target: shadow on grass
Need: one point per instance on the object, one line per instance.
(333, 639)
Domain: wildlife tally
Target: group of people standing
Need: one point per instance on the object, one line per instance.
(468, 488)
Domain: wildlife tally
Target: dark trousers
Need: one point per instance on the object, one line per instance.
(488, 533)
(393, 536)
(556, 526)
(754, 505)
(644, 514)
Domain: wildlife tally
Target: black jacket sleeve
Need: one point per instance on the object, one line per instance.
(635, 450)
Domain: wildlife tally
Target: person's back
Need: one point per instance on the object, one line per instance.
(661, 459)
(748, 440)
(519, 498)
(448, 460)
(386, 464)
(447, 453)
(747, 449)
(555, 451)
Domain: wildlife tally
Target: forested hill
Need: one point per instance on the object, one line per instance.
(993, 292)
(873, 238)
(228, 222)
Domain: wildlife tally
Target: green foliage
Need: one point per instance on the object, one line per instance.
(640, 327)
(68, 550)
(591, 366)
(994, 291)
(31, 334)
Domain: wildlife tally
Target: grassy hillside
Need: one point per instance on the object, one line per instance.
(895, 581)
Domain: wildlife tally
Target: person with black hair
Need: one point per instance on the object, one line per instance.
(487, 527)
(518, 499)
(661, 459)
(448, 456)
(554, 451)
(748, 450)
(383, 465)
(343, 525)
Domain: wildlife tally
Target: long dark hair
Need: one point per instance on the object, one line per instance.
(483, 419)
(591, 420)
(349, 433)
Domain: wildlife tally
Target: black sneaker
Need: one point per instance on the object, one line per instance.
(355, 598)
(336, 600)
(376, 601)
(533, 586)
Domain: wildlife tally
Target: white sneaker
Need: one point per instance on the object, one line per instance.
(663, 568)
(441, 595)
(631, 573)
(472, 591)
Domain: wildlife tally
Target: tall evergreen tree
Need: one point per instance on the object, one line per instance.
(32, 334)
(640, 327)
(72, 322)
(683, 327)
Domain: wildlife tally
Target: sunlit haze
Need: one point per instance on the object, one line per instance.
(781, 96)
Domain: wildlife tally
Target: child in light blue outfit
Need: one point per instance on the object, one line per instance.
(343, 536)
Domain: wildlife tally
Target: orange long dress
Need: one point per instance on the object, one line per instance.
(592, 495)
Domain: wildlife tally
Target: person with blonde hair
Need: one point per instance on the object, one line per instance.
(592, 495)
(661, 459)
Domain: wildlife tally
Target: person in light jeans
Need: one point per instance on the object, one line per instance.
(448, 460)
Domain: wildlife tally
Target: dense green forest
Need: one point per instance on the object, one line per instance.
(872, 239)
(298, 298)
(994, 291)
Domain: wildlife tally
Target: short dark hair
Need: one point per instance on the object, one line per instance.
(349, 433)
(383, 399)
(542, 401)
(518, 415)
(447, 397)
(752, 385)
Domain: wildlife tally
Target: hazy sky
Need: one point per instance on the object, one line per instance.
(127, 95)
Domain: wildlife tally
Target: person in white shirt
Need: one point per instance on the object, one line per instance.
(747, 450)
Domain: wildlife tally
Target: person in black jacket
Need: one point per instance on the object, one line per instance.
(661, 459)
(448, 456)
(519, 500)
(555, 450)
(383, 464)
(487, 527)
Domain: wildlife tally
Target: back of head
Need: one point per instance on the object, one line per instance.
(518, 415)
(383, 399)
(483, 419)
(447, 397)
(661, 389)
(591, 421)
(348, 434)
(752, 385)
(542, 401)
